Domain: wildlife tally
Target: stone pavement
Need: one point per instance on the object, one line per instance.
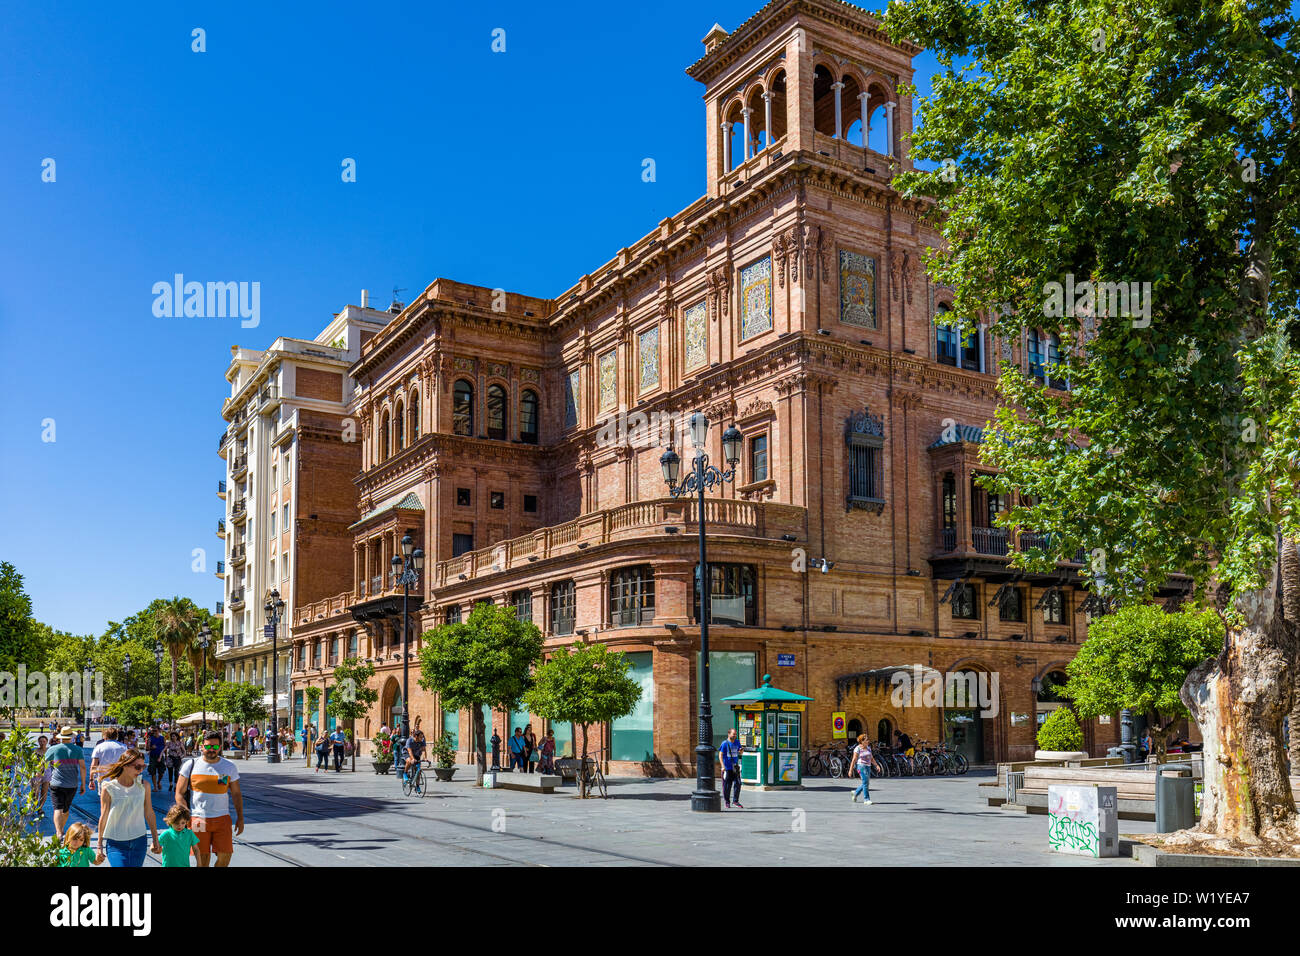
(295, 817)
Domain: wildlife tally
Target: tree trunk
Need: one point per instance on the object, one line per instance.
(176, 674)
(1294, 738)
(1239, 700)
(582, 766)
(480, 745)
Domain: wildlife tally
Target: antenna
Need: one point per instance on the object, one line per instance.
(396, 291)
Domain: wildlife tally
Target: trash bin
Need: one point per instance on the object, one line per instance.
(1175, 798)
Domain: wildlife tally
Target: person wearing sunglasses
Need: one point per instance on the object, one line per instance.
(126, 813)
(214, 781)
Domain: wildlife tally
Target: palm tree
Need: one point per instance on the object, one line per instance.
(197, 656)
(177, 621)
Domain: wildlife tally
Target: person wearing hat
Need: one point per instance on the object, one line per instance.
(67, 764)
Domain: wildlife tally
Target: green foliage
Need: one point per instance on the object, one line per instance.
(443, 751)
(22, 640)
(383, 747)
(352, 696)
(1138, 658)
(21, 843)
(484, 660)
(1060, 731)
(1128, 142)
(135, 711)
(170, 707)
(238, 701)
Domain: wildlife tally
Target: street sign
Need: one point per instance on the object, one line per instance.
(268, 631)
(837, 725)
(785, 660)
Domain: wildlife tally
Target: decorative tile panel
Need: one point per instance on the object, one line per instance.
(647, 349)
(608, 379)
(857, 290)
(696, 319)
(571, 399)
(756, 298)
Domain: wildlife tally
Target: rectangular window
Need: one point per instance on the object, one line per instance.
(866, 480)
(284, 566)
(1011, 606)
(334, 651)
(632, 596)
(730, 672)
(964, 604)
(564, 743)
(463, 497)
(272, 520)
(451, 614)
(758, 458)
(460, 543)
(451, 726)
(315, 654)
(497, 500)
(522, 602)
(632, 737)
(1054, 607)
(297, 711)
(284, 515)
(530, 504)
(563, 607)
(733, 595)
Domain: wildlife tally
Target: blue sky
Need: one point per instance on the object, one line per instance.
(519, 170)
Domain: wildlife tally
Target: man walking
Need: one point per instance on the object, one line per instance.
(215, 781)
(729, 754)
(518, 746)
(338, 739)
(105, 754)
(67, 764)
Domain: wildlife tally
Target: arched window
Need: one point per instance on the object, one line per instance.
(413, 416)
(823, 101)
(462, 408)
(496, 412)
(399, 429)
(878, 134)
(946, 338)
(385, 427)
(884, 731)
(528, 417)
(735, 138)
(777, 92)
(851, 112)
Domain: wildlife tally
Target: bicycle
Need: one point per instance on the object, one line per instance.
(414, 782)
(591, 775)
(826, 758)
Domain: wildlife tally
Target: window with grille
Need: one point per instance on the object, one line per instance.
(1011, 607)
(451, 614)
(632, 596)
(528, 417)
(864, 439)
(563, 607)
(1036, 355)
(733, 594)
(758, 458)
(1054, 607)
(461, 543)
(496, 412)
(462, 408)
(522, 602)
(964, 604)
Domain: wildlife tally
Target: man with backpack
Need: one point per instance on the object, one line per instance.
(213, 781)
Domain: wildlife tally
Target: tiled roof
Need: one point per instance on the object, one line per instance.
(966, 433)
(409, 503)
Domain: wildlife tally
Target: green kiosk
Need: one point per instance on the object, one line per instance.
(769, 725)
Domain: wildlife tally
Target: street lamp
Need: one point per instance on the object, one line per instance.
(406, 570)
(157, 658)
(90, 669)
(205, 639)
(274, 608)
(126, 676)
(702, 476)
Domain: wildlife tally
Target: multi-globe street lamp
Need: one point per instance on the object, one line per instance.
(274, 608)
(406, 570)
(90, 670)
(205, 641)
(157, 659)
(701, 476)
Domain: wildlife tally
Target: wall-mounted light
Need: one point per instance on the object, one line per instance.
(670, 529)
(788, 537)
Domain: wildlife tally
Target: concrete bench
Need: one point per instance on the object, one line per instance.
(538, 782)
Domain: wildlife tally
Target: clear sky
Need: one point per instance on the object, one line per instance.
(519, 170)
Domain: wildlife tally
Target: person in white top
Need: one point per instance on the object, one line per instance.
(105, 754)
(126, 812)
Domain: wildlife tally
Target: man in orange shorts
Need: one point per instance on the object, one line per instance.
(214, 782)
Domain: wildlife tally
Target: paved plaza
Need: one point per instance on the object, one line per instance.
(295, 817)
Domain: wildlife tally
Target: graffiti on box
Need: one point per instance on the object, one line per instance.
(1067, 829)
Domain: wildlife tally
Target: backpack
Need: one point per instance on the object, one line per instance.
(187, 768)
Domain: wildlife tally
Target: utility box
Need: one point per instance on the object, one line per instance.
(1083, 821)
(1175, 798)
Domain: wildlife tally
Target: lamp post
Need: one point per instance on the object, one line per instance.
(702, 476)
(90, 669)
(274, 610)
(406, 571)
(126, 676)
(157, 658)
(205, 639)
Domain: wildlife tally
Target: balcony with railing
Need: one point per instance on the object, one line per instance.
(239, 466)
(221, 490)
(239, 511)
(221, 569)
(723, 517)
(236, 599)
(221, 528)
(238, 554)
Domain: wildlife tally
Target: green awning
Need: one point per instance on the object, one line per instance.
(768, 692)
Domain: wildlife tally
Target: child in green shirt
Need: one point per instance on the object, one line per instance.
(178, 840)
(76, 847)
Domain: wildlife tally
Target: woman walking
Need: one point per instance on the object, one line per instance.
(173, 754)
(530, 749)
(862, 761)
(126, 813)
(322, 752)
(548, 752)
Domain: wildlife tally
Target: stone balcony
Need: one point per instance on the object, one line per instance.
(724, 517)
(324, 608)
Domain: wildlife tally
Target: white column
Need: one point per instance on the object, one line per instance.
(726, 148)
(889, 126)
(839, 91)
(767, 116)
(866, 118)
(745, 115)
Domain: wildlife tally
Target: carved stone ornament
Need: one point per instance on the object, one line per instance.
(780, 247)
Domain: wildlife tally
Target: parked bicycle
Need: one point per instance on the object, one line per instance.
(594, 777)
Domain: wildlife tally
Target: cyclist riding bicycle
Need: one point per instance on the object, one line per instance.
(414, 750)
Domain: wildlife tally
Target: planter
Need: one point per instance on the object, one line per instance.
(444, 773)
(382, 766)
(1059, 755)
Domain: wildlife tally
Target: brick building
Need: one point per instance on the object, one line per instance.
(518, 439)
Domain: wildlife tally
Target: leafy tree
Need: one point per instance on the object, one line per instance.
(1061, 731)
(239, 702)
(484, 660)
(1139, 658)
(22, 640)
(586, 685)
(21, 842)
(353, 696)
(171, 707)
(177, 621)
(1141, 142)
(134, 711)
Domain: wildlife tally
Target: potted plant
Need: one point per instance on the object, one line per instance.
(1060, 737)
(445, 768)
(383, 751)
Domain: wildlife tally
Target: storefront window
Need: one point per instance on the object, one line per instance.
(565, 739)
(730, 672)
(632, 737)
(451, 725)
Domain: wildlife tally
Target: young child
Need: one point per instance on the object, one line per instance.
(76, 847)
(178, 840)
